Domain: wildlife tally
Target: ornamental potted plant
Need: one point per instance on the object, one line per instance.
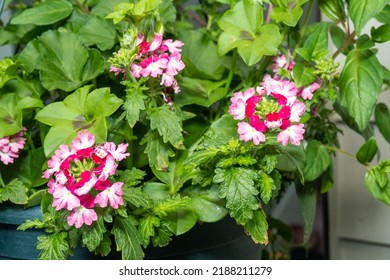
(131, 122)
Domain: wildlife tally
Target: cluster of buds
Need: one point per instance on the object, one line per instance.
(80, 178)
(275, 106)
(11, 145)
(157, 59)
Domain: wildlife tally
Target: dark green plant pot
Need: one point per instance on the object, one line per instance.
(215, 241)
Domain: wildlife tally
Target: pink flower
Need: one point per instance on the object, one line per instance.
(78, 176)
(273, 120)
(251, 104)
(136, 70)
(117, 70)
(237, 109)
(82, 215)
(297, 110)
(112, 194)
(175, 64)
(173, 46)
(153, 66)
(64, 199)
(156, 43)
(83, 140)
(307, 92)
(255, 122)
(243, 96)
(118, 153)
(248, 133)
(10, 146)
(281, 62)
(167, 80)
(293, 133)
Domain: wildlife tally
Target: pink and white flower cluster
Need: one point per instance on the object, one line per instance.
(160, 58)
(11, 145)
(274, 106)
(79, 178)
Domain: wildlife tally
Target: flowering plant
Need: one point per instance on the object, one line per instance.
(132, 121)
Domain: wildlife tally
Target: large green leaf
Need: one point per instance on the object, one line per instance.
(316, 44)
(360, 85)
(136, 197)
(317, 160)
(135, 103)
(64, 62)
(104, 39)
(288, 16)
(238, 187)
(45, 13)
(158, 151)
(361, 11)
(93, 235)
(128, 239)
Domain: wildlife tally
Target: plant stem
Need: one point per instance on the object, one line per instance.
(347, 41)
(2, 184)
(304, 26)
(81, 7)
(344, 153)
(268, 17)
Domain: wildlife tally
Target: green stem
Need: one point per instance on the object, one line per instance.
(227, 85)
(30, 142)
(350, 39)
(2, 181)
(124, 136)
(344, 153)
(84, 9)
(304, 26)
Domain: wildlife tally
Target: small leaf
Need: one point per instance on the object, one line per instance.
(45, 13)
(128, 239)
(237, 186)
(7, 71)
(181, 221)
(381, 34)
(267, 186)
(131, 177)
(15, 191)
(168, 125)
(93, 235)
(163, 207)
(135, 103)
(382, 119)
(303, 76)
(379, 188)
(367, 151)
(137, 198)
(53, 246)
(257, 227)
(158, 152)
(147, 227)
(316, 44)
(287, 16)
(317, 160)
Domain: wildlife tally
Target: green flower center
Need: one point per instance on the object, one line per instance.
(77, 167)
(266, 106)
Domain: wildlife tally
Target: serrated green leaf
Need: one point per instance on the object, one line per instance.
(257, 227)
(128, 239)
(53, 246)
(15, 191)
(317, 160)
(382, 119)
(28, 224)
(147, 227)
(170, 204)
(237, 186)
(361, 11)
(162, 236)
(57, 71)
(134, 104)
(137, 198)
(267, 186)
(92, 236)
(367, 151)
(158, 151)
(45, 13)
(104, 247)
(168, 125)
(131, 177)
(360, 85)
